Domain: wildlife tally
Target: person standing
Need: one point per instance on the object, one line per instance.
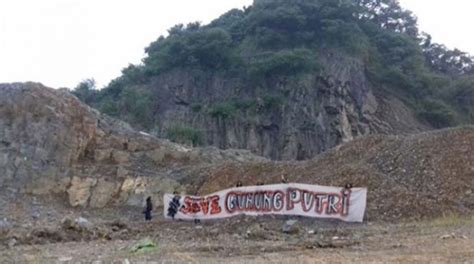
(148, 209)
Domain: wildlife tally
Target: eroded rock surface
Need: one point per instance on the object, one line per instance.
(51, 143)
(290, 119)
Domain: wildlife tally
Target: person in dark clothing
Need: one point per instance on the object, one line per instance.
(239, 184)
(174, 205)
(148, 209)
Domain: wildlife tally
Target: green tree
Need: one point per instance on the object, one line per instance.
(276, 39)
(86, 91)
(205, 48)
(136, 105)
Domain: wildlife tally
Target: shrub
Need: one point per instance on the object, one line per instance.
(185, 135)
(461, 95)
(285, 62)
(438, 114)
(272, 101)
(244, 104)
(137, 106)
(223, 110)
(109, 107)
(86, 91)
(196, 108)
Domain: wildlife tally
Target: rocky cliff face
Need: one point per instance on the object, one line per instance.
(291, 118)
(51, 143)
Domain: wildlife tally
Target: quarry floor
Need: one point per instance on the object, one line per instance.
(110, 235)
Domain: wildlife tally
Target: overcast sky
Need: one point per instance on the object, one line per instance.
(61, 42)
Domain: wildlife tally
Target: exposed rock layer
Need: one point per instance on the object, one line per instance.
(289, 118)
(52, 143)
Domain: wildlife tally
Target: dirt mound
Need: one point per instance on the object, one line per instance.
(423, 175)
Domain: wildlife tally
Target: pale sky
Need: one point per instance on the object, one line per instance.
(61, 42)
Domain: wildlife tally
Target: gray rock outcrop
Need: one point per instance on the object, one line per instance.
(51, 143)
(290, 119)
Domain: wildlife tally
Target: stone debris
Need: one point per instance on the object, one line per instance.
(453, 236)
(413, 176)
(290, 227)
(12, 242)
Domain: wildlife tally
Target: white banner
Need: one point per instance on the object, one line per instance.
(278, 199)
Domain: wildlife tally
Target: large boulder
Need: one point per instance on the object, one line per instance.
(80, 190)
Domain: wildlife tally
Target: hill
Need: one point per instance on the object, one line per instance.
(289, 80)
(51, 144)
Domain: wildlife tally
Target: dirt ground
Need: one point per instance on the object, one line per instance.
(108, 236)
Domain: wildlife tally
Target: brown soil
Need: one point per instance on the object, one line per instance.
(417, 176)
(53, 237)
(241, 240)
